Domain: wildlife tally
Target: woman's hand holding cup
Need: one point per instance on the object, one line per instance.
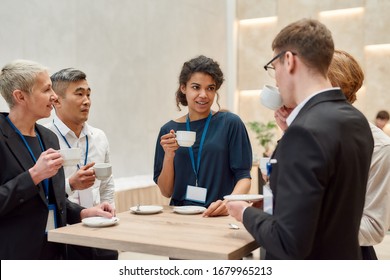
(169, 143)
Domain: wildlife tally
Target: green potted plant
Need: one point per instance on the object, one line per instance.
(265, 133)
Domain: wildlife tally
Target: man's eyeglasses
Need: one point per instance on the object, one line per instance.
(270, 68)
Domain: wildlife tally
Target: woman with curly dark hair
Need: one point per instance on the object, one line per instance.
(220, 160)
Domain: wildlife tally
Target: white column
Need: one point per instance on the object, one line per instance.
(231, 75)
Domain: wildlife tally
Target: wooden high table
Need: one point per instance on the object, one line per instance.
(165, 234)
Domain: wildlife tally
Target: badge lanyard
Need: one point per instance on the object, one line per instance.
(69, 146)
(191, 152)
(45, 181)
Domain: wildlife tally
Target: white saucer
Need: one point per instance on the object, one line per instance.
(146, 209)
(244, 197)
(189, 210)
(99, 221)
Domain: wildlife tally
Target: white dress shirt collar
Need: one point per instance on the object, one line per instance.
(297, 109)
(64, 130)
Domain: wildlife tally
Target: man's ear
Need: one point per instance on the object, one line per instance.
(291, 63)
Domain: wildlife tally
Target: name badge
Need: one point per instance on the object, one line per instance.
(196, 194)
(52, 218)
(268, 199)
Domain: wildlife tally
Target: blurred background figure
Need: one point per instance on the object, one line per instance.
(382, 121)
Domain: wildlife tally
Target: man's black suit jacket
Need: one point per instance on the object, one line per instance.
(318, 184)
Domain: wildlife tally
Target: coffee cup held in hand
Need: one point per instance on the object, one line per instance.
(270, 97)
(71, 156)
(103, 171)
(185, 138)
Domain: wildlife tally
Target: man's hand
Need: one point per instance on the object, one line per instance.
(281, 116)
(102, 210)
(83, 178)
(236, 209)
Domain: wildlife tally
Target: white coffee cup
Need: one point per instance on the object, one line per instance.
(185, 138)
(270, 97)
(71, 156)
(103, 171)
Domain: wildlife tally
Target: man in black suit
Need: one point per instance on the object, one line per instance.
(32, 183)
(319, 170)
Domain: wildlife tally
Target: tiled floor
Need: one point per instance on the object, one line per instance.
(382, 251)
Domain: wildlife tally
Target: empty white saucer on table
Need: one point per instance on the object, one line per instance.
(189, 210)
(146, 209)
(99, 221)
(244, 197)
